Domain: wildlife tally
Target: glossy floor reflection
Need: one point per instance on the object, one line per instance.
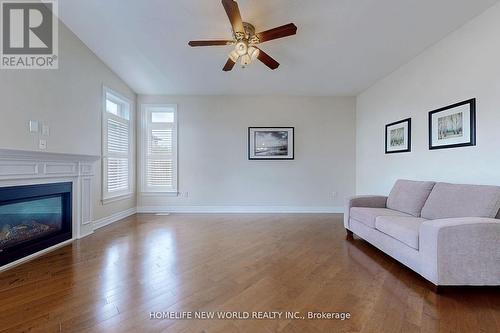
(112, 280)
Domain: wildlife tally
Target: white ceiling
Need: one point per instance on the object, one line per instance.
(341, 48)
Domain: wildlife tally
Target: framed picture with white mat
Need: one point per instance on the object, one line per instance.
(398, 137)
(453, 126)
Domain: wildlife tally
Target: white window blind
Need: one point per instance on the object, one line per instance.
(160, 148)
(117, 138)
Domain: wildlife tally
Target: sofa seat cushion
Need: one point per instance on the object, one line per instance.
(404, 229)
(367, 216)
(409, 196)
(454, 200)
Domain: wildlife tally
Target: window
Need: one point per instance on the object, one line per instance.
(117, 146)
(159, 152)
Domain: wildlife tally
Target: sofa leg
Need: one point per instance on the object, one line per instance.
(350, 234)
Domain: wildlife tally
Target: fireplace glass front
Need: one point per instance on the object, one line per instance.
(33, 218)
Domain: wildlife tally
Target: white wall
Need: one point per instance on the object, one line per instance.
(68, 100)
(214, 167)
(464, 65)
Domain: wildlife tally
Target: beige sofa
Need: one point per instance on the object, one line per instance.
(448, 233)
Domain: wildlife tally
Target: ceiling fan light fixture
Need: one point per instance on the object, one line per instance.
(241, 48)
(246, 60)
(234, 56)
(253, 52)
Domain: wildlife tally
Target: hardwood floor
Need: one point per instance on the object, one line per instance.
(112, 280)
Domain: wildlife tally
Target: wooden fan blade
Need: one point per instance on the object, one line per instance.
(279, 32)
(267, 60)
(233, 13)
(210, 42)
(229, 65)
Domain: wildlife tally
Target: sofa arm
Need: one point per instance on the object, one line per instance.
(372, 201)
(461, 251)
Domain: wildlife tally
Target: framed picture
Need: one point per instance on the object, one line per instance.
(271, 143)
(398, 137)
(453, 126)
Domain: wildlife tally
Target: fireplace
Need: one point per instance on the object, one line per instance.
(33, 218)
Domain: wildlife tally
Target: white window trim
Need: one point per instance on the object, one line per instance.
(107, 198)
(143, 146)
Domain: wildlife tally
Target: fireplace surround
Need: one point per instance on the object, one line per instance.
(33, 218)
(24, 169)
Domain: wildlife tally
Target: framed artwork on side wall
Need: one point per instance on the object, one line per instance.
(453, 126)
(271, 143)
(398, 137)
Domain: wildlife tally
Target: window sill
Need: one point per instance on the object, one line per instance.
(160, 194)
(106, 201)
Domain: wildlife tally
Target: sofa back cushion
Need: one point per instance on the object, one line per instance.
(454, 200)
(409, 196)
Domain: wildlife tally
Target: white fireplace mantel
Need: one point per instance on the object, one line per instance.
(18, 167)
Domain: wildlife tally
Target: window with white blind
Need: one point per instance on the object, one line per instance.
(159, 153)
(117, 146)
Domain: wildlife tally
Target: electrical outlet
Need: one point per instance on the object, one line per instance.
(42, 144)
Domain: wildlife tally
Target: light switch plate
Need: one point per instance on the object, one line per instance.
(43, 144)
(33, 126)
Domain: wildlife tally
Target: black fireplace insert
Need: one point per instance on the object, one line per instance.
(33, 218)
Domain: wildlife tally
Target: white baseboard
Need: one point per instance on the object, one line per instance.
(240, 209)
(114, 218)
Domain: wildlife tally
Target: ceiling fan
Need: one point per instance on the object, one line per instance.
(245, 39)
